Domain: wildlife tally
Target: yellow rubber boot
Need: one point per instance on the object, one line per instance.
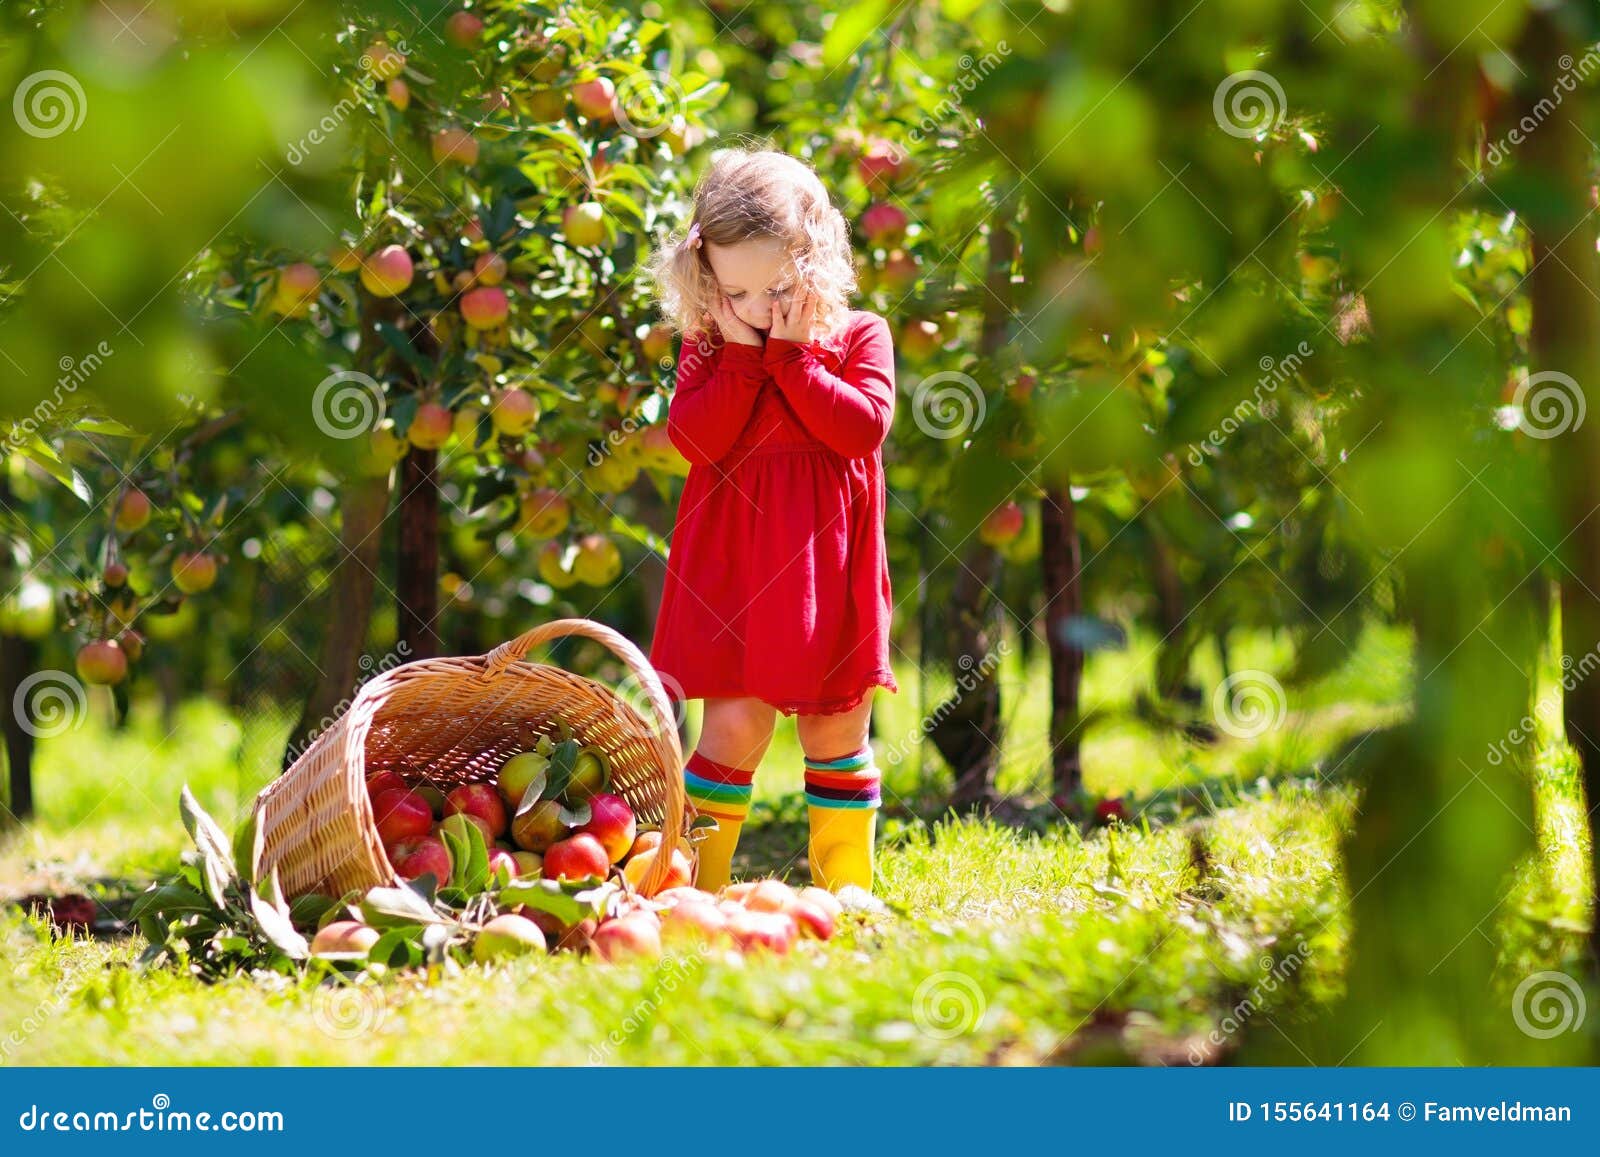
(842, 798)
(723, 793)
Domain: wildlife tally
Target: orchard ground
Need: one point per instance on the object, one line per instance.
(1219, 911)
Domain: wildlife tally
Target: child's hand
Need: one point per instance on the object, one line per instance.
(733, 329)
(794, 323)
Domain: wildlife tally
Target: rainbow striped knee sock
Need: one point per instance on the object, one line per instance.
(842, 797)
(723, 793)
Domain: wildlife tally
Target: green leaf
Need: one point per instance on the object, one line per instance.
(577, 816)
(396, 340)
(469, 859)
(544, 896)
(534, 793)
(851, 30)
(245, 845)
(216, 855)
(563, 759)
(167, 901)
(277, 928)
(400, 947)
(391, 907)
(43, 455)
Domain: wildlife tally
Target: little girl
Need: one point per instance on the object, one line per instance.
(777, 588)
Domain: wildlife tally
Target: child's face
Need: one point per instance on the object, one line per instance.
(752, 275)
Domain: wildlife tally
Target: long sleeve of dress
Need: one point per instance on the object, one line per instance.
(712, 399)
(850, 412)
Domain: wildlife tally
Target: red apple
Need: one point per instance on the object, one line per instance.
(132, 644)
(453, 145)
(824, 899)
(133, 511)
(485, 307)
(611, 822)
(883, 223)
(1093, 242)
(595, 99)
(1002, 526)
(426, 856)
(402, 815)
(343, 937)
(812, 919)
(644, 842)
(1108, 811)
(388, 272)
(694, 919)
(545, 513)
(763, 931)
(431, 426)
(344, 259)
(584, 224)
(489, 269)
(481, 800)
(514, 412)
(464, 29)
(770, 896)
(114, 574)
(507, 936)
(194, 573)
(880, 164)
(636, 934)
(576, 858)
(679, 875)
(499, 857)
(399, 93)
(102, 661)
(296, 289)
(381, 781)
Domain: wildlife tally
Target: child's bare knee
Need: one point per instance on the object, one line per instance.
(827, 736)
(737, 731)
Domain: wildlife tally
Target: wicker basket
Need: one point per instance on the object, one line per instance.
(447, 722)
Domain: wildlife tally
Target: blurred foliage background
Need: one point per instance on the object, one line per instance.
(1214, 320)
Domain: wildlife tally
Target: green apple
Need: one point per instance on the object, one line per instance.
(506, 937)
(591, 774)
(517, 773)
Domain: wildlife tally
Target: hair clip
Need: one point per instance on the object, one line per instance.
(693, 239)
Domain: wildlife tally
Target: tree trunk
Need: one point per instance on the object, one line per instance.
(362, 508)
(967, 725)
(417, 562)
(18, 658)
(1061, 561)
(1564, 344)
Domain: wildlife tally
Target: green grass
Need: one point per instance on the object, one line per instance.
(1004, 945)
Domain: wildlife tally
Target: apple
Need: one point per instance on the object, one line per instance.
(102, 661)
(133, 511)
(577, 857)
(637, 934)
(598, 560)
(431, 427)
(553, 568)
(433, 796)
(644, 842)
(883, 223)
(763, 931)
(132, 644)
(296, 289)
(456, 824)
(545, 104)
(538, 828)
(453, 145)
(517, 773)
(920, 339)
(344, 937)
(1109, 811)
(399, 93)
(1002, 526)
(344, 259)
(401, 816)
(590, 775)
(489, 269)
(812, 919)
(657, 342)
(545, 513)
(485, 307)
(464, 29)
(387, 446)
(1093, 240)
(480, 800)
(514, 412)
(425, 856)
(498, 858)
(579, 937)
(114, 574)
(694, 920)
(679, 874)
(529, 864)
(381, 781)
(824, 899)
(880, 164)
(388, 272)
(506, 937)
(595, 99)
(584, 224)
(194, 572)
(382, 60)
(900, 270)
(770, 896)
(611, 822)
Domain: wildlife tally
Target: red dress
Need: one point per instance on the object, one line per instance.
(778, 578)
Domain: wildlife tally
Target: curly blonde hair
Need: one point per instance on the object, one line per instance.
(747, 194)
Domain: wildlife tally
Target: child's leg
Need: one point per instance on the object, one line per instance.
(734, 734)
(841, 796)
